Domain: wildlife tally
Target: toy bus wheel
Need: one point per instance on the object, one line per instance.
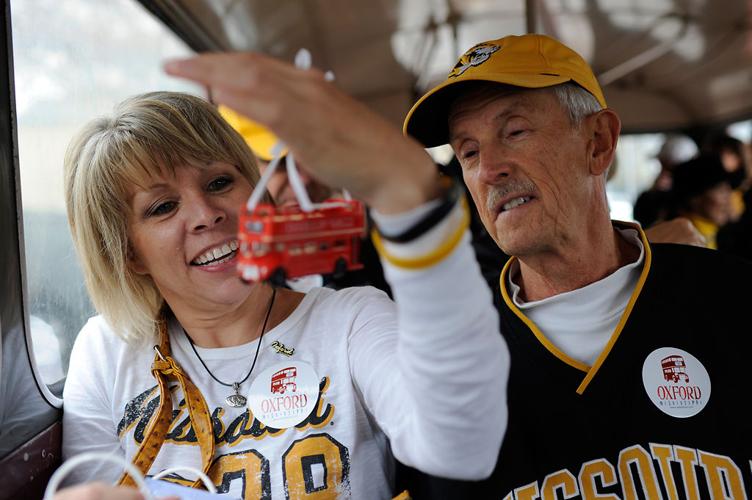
(340, 268)
(278, 277)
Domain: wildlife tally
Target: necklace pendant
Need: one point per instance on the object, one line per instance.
(236, 400)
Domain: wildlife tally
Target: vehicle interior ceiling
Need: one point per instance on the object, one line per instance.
(664, 65)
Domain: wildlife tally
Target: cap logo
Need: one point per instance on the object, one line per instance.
(473, 57)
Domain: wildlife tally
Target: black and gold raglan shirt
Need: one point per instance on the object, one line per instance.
(346, 380)
(661, 411)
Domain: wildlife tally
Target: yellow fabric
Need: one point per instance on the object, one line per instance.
(164, 367)
(531, 61)
(434, 256)
(260, 139)
(737, 203)
(706, 228)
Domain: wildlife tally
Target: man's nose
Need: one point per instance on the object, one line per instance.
(493, 165)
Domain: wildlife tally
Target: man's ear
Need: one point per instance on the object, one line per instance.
(605, 127)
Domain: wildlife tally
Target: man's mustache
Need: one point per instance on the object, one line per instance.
(498, 193)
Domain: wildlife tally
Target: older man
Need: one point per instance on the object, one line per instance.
(629, 362)
(624, 357)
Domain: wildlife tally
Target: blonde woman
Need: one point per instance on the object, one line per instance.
(272, 393)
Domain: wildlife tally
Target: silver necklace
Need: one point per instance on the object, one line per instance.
(237, 400)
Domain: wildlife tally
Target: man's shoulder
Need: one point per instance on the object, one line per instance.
(682, 263)
(351, 301)
(680, 254)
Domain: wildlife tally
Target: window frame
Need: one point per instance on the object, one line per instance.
(13, 295)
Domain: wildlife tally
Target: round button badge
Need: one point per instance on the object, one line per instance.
(284, 394)
(676, 382)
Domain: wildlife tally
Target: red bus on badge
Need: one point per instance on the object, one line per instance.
(277, 243)
(284, 380)
(674, 369)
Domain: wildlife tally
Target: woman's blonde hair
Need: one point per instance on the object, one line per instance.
(147, 135)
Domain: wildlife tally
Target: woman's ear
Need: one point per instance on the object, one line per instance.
(605, 129)
(134, 262)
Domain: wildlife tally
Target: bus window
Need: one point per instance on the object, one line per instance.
(259, 248)
(70, 67)
(254, 227)
(633, 171)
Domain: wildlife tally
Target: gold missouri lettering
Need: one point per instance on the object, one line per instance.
(639, 473)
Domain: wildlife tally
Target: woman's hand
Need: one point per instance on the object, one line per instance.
(101, 491)
(98, 491)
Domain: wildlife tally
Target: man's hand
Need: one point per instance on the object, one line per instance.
(678, 230)
(339, 140)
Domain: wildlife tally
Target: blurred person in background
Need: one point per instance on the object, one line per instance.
(736, 237)
(654, 204)
(735, 157)
(702, 193)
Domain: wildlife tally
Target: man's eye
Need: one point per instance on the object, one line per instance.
(468, 154)
(516, 132)
(220, 183)
(162, 208)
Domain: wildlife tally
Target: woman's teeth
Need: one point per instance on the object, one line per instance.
(216, 254)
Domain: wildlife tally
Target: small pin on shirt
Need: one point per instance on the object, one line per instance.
(281, 348)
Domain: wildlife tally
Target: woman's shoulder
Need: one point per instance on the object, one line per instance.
(326, 304)
(353, 307)
(99, 355)
(354, 297)
(97, 335)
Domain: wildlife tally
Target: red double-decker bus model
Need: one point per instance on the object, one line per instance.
(277, 243)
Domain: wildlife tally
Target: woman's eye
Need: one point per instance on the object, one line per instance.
(162, 208)
(220, 183)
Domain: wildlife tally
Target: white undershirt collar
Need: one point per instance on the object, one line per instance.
(580, 322)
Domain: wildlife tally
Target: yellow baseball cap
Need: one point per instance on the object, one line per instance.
(530, 61)
(260, 139)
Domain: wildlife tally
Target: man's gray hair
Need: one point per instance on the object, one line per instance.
(578, 102)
